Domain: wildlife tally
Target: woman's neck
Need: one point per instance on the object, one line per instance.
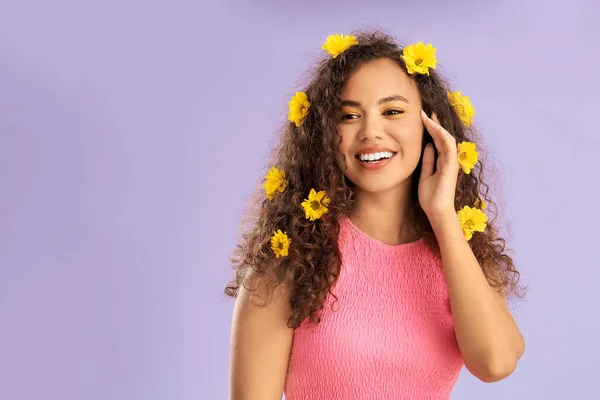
(385, 216)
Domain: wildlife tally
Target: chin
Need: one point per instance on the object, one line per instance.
(378, 184)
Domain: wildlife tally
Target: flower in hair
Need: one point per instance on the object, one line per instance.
(298, 108)
(472, 220)
(337, 44)
(280, 243)
(316, 204)
(467, 156)
(479, 203)
(274, 182)
(419, 58)
(463, 107)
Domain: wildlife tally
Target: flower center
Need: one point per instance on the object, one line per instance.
(418, 62)
(469, 223)
(462, 156)
(280, 245)
(315, 205)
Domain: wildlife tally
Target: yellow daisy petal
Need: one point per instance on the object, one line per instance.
(319, 196)
(467, 156)
(468, 234)
(463, 107)
(280, 243)
(479, 203)
(472, 220)
(275, 182)
(419, 58)
(298, 108)
(337, 44)
(478, 226)
(316, 205)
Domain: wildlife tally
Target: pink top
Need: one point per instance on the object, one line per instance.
(391, 335)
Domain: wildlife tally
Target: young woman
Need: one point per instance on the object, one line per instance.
(369, 268)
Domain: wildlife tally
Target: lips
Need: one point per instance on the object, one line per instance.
(374, 165)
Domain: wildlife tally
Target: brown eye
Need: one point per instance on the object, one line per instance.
(349, 116)
(394, 112)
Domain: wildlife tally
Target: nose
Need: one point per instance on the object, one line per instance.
(371, 129)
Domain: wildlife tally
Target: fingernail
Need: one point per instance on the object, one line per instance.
(423, 113)
(433, 115)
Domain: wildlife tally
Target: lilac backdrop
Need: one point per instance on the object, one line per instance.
(132, 132)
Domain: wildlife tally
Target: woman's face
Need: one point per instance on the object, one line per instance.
(381, 127)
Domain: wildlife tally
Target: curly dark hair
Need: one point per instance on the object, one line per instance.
(309, 156)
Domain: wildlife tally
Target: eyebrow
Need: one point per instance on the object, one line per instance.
(381, 101)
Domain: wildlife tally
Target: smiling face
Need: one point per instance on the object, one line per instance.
(381, 128)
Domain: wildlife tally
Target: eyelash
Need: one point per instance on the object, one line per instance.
(398, 112)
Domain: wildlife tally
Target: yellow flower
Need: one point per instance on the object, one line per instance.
(316, 204)
(280, 243)
(337, 44)
(479, 203)
(472, 220)
(419, 58)
(299, 106)
(275, 182)
(463, 107)
(467, 156)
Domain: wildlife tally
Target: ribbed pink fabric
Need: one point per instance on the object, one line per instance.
(391, 335)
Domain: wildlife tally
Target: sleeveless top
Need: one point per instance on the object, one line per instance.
(390, 335)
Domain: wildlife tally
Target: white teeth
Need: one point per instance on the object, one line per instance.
(375, 156)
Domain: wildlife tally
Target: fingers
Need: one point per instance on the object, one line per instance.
(443, 140)
(427, 162)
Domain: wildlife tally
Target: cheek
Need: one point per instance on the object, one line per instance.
(409, 135)
(343, 147)
(344, 144)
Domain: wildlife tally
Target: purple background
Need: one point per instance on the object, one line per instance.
(132, 133)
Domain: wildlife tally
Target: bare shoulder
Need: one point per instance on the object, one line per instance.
(261, 341)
